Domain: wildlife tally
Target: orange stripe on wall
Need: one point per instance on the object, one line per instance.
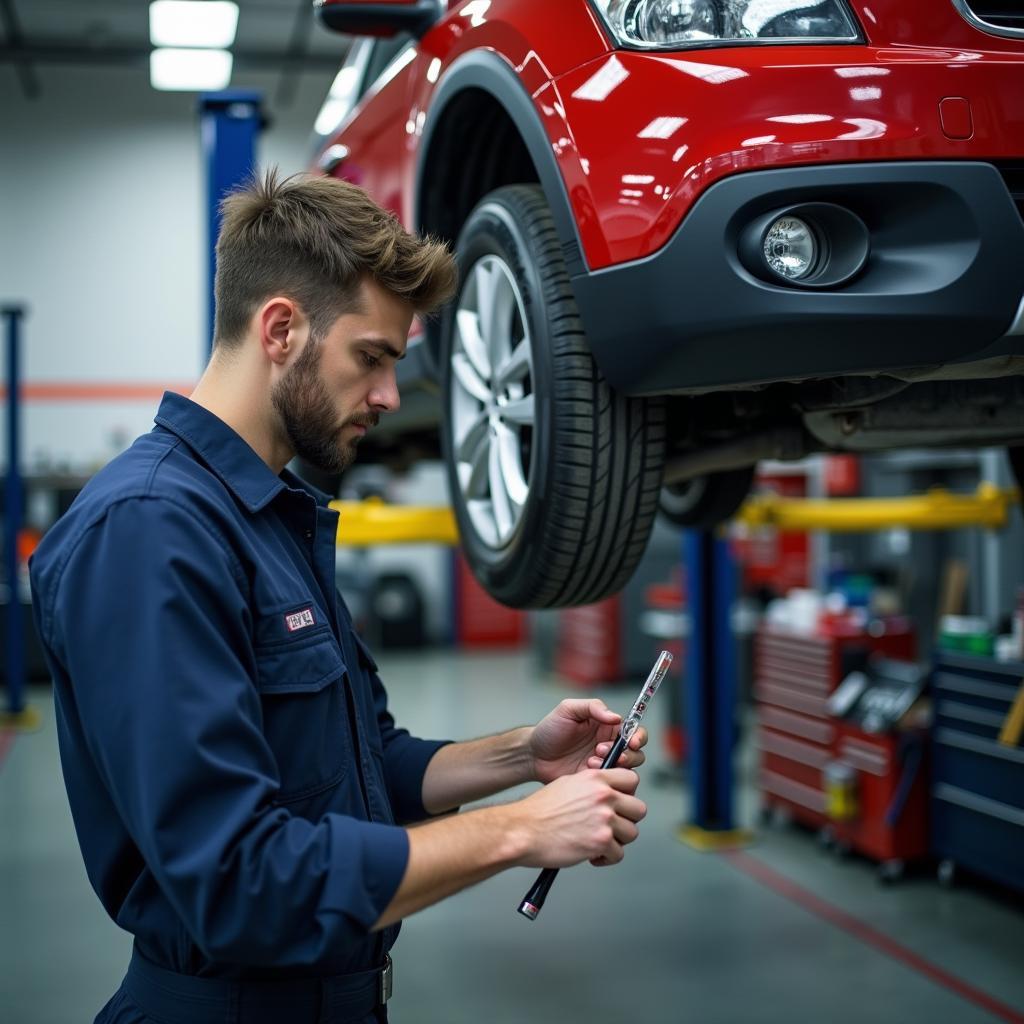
(98, 392)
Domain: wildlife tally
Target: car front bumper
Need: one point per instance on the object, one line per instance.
(943, 284)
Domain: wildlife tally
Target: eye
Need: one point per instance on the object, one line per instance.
(371, 361)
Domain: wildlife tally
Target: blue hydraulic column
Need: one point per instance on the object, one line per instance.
(230, 123)
(15, 654)
(710, 688)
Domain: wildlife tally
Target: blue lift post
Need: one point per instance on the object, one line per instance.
(710, 693)
(14, 661)
(230, 123)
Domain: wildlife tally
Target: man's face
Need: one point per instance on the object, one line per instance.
(340, 384)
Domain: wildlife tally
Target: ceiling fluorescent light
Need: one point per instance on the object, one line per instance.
(192, 70)
(207, 23)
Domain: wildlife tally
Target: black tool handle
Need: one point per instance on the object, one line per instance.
(533, 901)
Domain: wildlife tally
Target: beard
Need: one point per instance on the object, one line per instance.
(310, 418)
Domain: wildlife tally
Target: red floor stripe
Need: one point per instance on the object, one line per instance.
(6, 742)
(859, 929)
(60, 391)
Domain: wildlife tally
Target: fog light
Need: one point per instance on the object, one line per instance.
(790, 248)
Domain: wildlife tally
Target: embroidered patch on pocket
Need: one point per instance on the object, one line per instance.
(299, 620)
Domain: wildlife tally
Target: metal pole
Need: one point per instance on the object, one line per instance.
(710, 679)
(15, 654)
(230, 123)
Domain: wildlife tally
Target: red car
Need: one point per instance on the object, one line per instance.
(692, 234)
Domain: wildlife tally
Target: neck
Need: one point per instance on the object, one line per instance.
(238, 392)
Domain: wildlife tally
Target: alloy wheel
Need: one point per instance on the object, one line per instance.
(492, 404)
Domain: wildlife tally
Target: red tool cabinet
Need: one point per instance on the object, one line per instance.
(797, 738)
(880, 761)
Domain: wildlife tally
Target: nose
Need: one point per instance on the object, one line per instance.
(384, 396)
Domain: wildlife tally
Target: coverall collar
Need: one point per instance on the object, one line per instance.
(227, 454)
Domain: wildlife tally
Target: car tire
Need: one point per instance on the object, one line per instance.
(705, 501)
(554, 477)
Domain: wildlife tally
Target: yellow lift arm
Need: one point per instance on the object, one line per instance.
(369, 522)
(938, 509)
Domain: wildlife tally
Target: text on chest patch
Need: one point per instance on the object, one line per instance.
(299, 620)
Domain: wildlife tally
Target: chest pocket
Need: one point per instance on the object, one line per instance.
(304, 715)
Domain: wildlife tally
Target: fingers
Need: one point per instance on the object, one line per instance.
(627, 759)
(625, 831)
(636, 741)
(631, 808)
(625, 780)
(631, 757)
(584, 710)
(613, 857)
(600, 712)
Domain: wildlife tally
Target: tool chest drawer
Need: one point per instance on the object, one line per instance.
(977, 793)
(794, 673)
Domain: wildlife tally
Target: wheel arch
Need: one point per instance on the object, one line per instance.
(482, 132)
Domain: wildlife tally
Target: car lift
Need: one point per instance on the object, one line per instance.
(229, 124)
(709, 692)
(938, 509)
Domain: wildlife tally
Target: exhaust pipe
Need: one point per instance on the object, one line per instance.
(783, 443)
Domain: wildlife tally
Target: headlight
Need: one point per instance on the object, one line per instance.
(672, 24)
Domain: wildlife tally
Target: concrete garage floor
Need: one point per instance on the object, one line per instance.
(784, 932)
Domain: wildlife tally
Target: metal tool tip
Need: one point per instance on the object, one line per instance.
(527, 909)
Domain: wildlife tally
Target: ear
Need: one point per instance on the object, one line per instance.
(281, 328)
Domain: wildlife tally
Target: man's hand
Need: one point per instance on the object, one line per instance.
(591, 816)
(578, 735)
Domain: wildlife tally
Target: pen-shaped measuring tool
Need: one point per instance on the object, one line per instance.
(534, 899)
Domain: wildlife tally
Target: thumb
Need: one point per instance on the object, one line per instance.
(602, 713)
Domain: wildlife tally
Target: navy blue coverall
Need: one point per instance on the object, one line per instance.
(236, 781)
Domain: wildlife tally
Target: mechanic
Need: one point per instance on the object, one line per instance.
(241, 794)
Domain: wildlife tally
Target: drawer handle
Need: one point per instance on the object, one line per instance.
(981, 804)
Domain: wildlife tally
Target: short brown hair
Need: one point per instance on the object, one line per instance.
(314, 239)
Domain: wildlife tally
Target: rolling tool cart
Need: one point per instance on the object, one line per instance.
(977, 790)
(876, 790)
(795, 673)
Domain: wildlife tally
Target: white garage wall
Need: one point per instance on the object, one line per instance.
(102, 234)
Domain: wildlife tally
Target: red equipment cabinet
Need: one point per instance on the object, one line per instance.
(794, 674)
(880, 761)
(589, 643)
(480, 621)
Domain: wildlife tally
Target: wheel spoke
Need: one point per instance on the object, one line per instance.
(466, 375)
(499, 496)
(487, 276)
(497, 330)
(519, 411)
(510, 458)
(468, 324)
(516, 367)
(479, 466)
(470, 441)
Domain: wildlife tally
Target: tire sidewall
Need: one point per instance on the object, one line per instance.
(494, 229)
